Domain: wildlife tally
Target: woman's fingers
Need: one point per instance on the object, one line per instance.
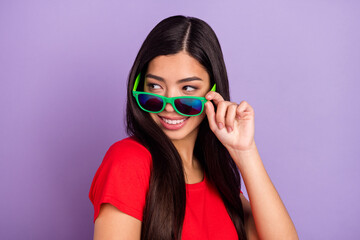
(215, 97)
(226, 112)
(223, 117)
(210, 112)
(221, 107)
(230, 116)
(243, 110)
(220, 113)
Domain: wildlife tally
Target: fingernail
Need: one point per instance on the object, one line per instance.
(208, 96)
(229, 129)
(220, 125)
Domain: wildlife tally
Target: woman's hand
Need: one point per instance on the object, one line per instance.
(232, 123)
(270, 216)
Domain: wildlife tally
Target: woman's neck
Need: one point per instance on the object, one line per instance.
(185, 148)
(192, 168)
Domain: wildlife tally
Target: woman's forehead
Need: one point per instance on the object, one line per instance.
(176, 67)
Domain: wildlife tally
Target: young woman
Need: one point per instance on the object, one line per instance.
(177, 176)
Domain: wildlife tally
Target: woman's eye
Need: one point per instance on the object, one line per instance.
(153, 86)
(189, 88)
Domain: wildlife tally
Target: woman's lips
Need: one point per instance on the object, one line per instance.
(173, 123)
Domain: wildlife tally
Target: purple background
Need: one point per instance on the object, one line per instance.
(63, 69)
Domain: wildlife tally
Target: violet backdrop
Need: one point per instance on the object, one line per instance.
(63, 71)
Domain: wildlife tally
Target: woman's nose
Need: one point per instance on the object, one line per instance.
(169, 108)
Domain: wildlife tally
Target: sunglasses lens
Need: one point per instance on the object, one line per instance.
(188, 106)
(150, 103)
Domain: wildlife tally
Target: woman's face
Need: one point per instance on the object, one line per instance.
(172, 76)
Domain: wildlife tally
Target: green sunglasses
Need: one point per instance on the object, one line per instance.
(185, 105)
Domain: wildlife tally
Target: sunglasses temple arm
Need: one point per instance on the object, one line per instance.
(136, 82)
(213, 89)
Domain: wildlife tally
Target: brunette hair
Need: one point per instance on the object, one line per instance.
(164, 211)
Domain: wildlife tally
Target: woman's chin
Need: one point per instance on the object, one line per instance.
(181, 135)
(175, 136)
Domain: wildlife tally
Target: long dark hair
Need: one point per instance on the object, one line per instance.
(165, 203)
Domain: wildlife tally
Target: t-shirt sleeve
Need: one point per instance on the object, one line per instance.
(122, 178)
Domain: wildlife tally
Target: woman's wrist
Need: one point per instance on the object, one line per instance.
(244, 156)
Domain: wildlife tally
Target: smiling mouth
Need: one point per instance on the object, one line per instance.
(173, 122)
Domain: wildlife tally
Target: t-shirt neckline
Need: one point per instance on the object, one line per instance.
(195, 186)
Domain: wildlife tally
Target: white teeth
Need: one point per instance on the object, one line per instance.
(173, 121)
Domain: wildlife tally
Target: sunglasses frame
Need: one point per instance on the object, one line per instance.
(168, 100)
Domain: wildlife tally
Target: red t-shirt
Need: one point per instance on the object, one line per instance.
(123, 181)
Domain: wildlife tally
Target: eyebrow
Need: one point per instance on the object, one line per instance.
(189, 79)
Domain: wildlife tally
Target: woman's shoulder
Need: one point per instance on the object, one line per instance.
(122, 179)
(130, 145)
(128, 150)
